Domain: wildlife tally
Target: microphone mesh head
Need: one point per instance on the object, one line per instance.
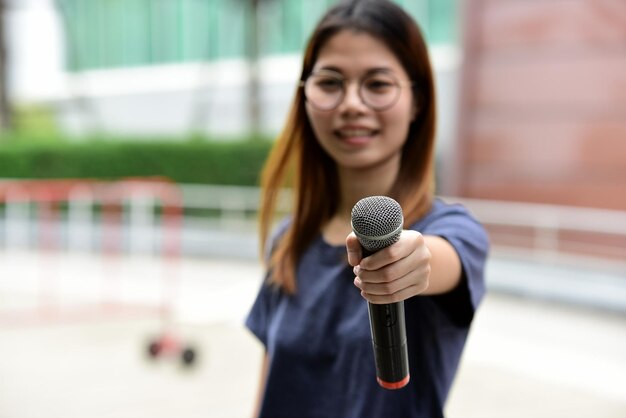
(377, 222)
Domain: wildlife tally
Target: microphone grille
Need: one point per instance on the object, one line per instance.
(377, 222)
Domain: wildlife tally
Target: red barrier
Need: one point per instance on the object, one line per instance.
(50, 199)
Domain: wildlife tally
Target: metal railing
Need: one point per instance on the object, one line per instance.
(552, 231)
(537, 228)
(546, 251)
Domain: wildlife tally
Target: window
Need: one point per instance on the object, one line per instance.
(123, 33)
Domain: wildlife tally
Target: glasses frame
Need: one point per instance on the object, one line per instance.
(346, 82)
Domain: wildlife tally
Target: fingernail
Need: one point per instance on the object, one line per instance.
(356, 270)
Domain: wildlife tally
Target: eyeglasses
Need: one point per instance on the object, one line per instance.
(326, 89)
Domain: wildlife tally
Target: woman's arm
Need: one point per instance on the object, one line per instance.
(445, 265)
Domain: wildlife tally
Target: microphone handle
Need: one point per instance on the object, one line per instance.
(388, 327)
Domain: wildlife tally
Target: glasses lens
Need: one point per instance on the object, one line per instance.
(380, 90)
(324, 91)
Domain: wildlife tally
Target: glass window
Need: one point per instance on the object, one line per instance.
(119, 33)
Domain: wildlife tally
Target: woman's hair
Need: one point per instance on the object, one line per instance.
(297, 159)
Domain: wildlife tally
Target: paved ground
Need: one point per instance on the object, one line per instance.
(525, 358)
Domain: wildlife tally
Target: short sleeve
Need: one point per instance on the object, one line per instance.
(456, 225)
(262, 311)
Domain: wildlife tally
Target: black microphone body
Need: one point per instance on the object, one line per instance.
(377, 222)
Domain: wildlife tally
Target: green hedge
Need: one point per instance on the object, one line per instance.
(234, 162)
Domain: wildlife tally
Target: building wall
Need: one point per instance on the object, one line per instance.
(174, 67)
(125, 33)
(543, 102)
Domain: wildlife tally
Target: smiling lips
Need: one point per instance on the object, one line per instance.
(356, 135)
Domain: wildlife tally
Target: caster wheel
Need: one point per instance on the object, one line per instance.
(188, 356)
(154, 348)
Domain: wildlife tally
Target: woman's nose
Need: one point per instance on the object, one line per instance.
(352, 99)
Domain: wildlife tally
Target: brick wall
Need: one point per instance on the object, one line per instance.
(543, 102)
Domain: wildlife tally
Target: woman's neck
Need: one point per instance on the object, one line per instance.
(355, 185)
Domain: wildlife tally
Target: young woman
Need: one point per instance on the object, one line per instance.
(362, 124)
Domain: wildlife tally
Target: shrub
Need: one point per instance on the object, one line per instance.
(232, 162)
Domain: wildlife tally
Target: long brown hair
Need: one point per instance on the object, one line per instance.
(297, 160)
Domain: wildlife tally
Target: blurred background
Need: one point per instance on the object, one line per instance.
(132, 135)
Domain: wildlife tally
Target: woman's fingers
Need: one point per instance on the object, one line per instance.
(416, 279)
(395, 273)
(354, 249)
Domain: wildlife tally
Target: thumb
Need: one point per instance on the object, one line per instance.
(353, 247)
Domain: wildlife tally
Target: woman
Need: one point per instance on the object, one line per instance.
(362, 124)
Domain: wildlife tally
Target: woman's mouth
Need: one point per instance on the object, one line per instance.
(356, 135)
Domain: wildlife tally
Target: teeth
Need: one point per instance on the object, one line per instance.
(356, 132)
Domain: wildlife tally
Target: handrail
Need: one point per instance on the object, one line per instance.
(534, 252)
(543, 222)
(238, 205)
(493, 212)
(582, 219)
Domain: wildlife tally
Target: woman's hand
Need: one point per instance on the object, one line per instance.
(392, 274)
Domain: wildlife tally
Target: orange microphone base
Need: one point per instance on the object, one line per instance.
(394, 385)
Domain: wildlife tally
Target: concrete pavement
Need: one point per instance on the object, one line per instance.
(524, 357)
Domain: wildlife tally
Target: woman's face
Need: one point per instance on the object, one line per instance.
(355, 135)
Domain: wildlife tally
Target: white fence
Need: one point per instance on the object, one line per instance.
(558, 256)
(214, 208)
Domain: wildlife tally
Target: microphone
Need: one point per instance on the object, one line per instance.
(377, 223)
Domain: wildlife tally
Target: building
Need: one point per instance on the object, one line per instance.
(543, 108)
(153, 67)
(541, 116)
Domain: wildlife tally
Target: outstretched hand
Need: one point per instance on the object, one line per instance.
(394, 273)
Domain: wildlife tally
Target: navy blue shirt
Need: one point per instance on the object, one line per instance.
(321, 362)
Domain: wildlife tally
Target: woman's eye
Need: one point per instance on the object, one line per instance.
(376, 85)
(329, 84)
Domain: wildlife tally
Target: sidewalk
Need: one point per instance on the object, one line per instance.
(524, 358)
